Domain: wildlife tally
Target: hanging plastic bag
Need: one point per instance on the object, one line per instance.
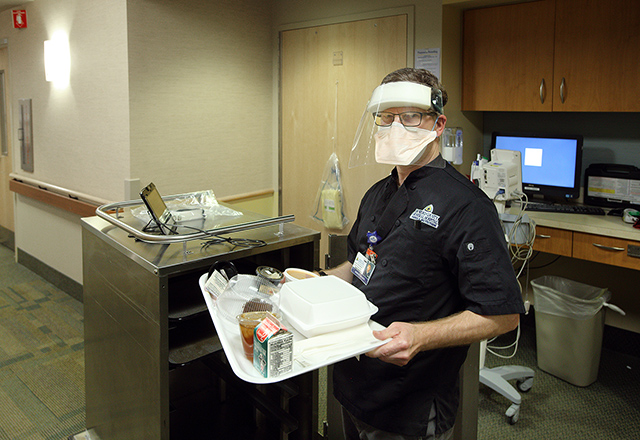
(198, 205)
(329, 200)
(570, 299)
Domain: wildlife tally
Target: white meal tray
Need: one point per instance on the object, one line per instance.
(229, 335)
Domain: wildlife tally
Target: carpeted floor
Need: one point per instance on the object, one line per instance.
(42, 376)
(554, 409)
(41, 357)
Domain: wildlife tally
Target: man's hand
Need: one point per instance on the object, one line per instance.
(402, 347)
(408, 339)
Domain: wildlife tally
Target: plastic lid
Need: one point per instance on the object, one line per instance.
(245, 293)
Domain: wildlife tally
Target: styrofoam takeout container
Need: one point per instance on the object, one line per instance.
(324, 304)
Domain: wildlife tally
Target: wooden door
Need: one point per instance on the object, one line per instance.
(597, 55)
(328, 74)
(508, 57)
(6, 197)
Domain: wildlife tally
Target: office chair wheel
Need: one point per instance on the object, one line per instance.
(513, 413)
(525, 385)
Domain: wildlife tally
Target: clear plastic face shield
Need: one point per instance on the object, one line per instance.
(404, 135)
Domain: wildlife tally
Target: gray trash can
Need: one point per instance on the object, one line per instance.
(569, 323)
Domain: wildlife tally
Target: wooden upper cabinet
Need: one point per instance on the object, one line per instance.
(597, 53)
(560, 55)
(508, 57)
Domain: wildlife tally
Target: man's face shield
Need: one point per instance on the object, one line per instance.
(412, 104)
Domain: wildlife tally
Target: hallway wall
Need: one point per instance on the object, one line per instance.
(81, 133)
(179, 93)
(200, 84)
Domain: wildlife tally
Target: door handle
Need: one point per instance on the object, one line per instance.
(542, 91)
(562, 86)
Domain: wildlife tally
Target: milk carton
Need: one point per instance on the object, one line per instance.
(272, 348)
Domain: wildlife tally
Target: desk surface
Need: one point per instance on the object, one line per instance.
(607, 225)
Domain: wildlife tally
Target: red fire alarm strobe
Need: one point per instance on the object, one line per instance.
(19, 18)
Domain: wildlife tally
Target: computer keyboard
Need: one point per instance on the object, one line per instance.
(565, 209)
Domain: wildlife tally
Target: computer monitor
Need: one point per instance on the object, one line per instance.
(551, 164)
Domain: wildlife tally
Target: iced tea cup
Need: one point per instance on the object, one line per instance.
(248, 322)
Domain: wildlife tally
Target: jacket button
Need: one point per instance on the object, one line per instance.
(398, 222)
(384, 263)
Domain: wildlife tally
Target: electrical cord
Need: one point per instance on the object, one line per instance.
(236, 242)
(536, 254)
(513, 345)
(549, 263)
(521, 252)
(217, 239)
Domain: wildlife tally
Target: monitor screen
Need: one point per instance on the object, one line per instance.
(551, 165)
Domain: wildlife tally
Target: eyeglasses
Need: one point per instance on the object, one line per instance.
(408, 119)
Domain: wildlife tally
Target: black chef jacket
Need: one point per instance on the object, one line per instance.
(453, 258)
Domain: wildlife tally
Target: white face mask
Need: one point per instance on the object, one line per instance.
(400, 145)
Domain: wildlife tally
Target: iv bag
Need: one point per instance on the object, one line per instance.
(329, 200)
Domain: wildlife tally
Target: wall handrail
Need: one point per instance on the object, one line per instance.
(59, 190)
(84, 204)
(68, 200)
(248, 195)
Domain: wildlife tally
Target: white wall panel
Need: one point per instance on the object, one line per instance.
(201, 95)
(51, 235)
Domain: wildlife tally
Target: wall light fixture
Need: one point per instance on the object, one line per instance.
(57, 60)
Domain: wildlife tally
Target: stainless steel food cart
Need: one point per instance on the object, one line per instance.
(154, 368)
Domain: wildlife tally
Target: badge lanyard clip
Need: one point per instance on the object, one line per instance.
(372, 239)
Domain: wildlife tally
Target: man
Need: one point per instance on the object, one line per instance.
(428, 250)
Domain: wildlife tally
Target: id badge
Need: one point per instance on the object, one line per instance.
(363, 268)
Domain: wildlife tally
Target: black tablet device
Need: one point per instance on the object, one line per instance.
(158, 209)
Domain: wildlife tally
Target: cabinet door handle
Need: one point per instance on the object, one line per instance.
(542, 236)
(542, 91)
(562, 85)
(608, 248)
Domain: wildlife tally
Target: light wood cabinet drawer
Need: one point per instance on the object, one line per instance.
(605, 250)
(553, 241)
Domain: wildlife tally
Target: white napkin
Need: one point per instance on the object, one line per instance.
(321, 348)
